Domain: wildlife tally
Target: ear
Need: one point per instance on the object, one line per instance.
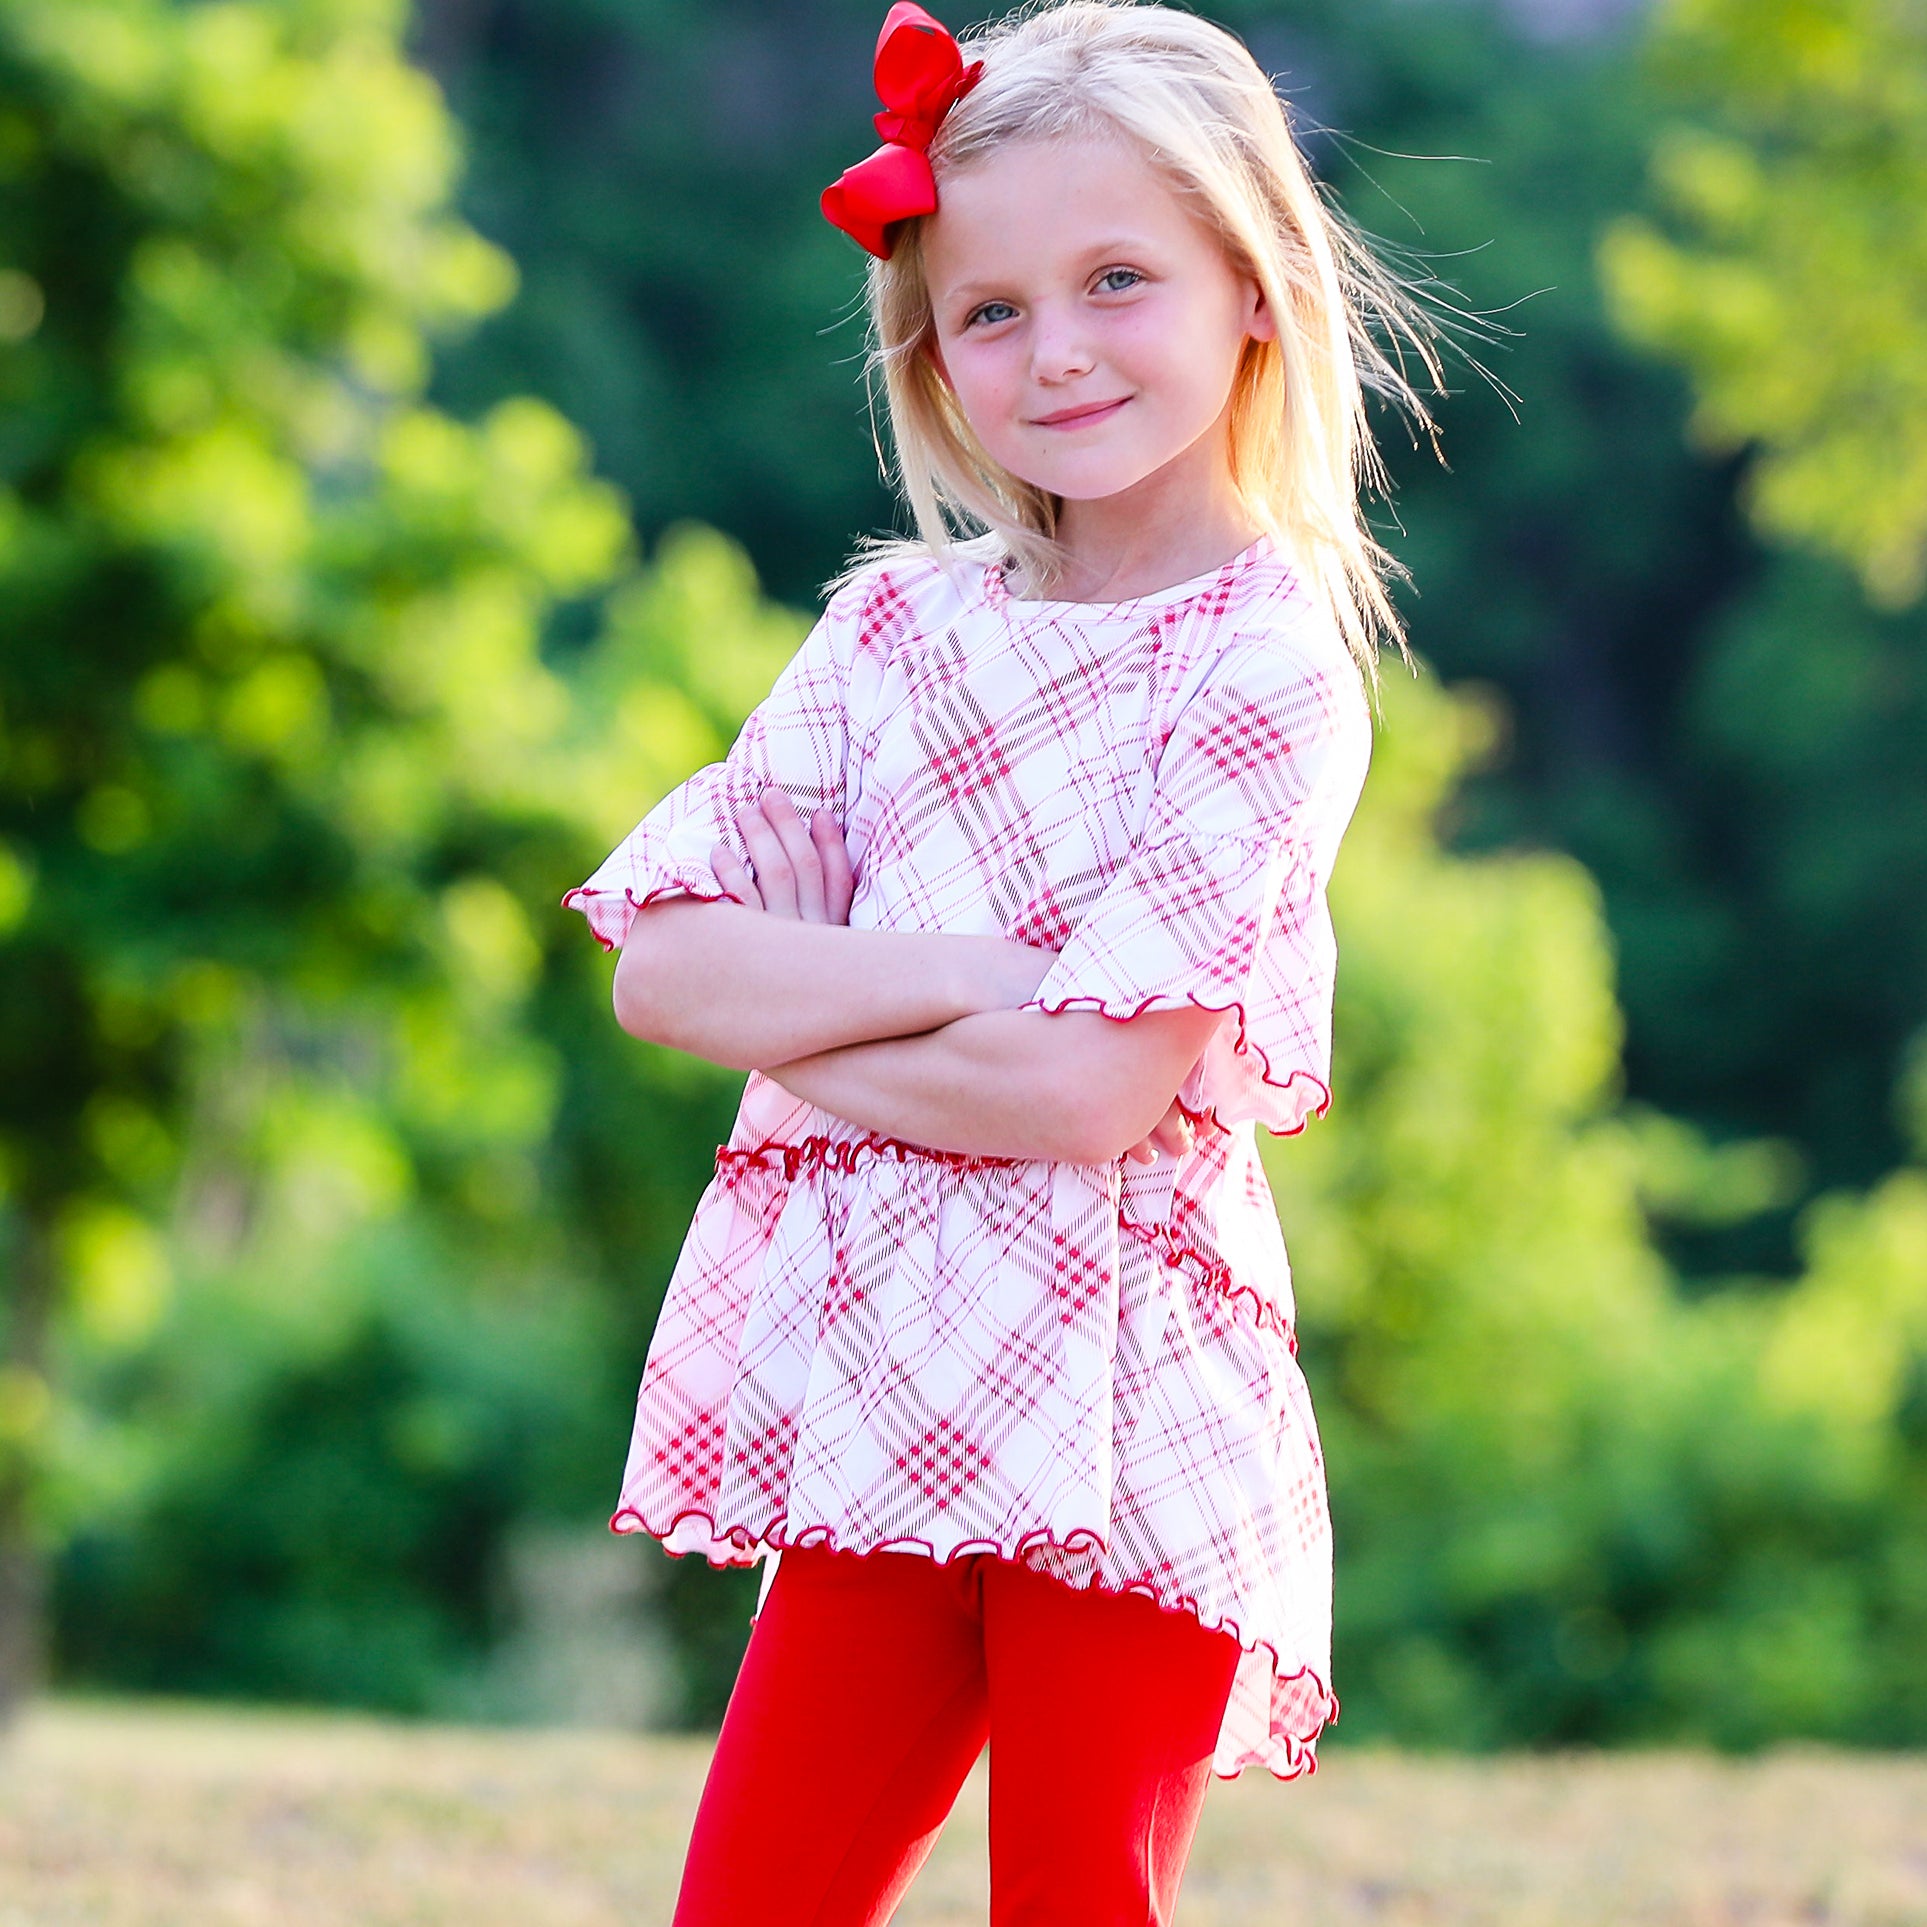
(1260, 323)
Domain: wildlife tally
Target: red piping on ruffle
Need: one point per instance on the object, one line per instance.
(661, 890)
(839, 1154)
(1214, 1274)
(1298, 1747)
(1245, 1044)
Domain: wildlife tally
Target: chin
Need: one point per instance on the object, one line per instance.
(1090, 481)
(1102, 490)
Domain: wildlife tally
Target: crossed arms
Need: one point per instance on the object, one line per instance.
(911, 1033)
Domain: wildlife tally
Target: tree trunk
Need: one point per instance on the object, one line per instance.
(23, 1365)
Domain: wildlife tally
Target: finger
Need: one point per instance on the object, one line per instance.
(800, 847)
(1172, 1133)
(774, 876)
(839, 879)
(733, 874)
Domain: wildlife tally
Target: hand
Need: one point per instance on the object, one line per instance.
(795, 869)
(1173, 1135)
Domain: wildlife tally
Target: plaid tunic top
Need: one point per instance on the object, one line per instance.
(867, 1343)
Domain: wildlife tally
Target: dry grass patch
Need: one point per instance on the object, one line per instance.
(160, 1816)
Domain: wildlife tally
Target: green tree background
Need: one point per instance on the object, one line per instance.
(354, 606)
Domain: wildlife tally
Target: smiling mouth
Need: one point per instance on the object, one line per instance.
(1096, 411)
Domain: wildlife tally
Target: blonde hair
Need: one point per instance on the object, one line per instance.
(1192, 98)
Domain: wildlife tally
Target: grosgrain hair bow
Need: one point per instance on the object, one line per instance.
(920, 76)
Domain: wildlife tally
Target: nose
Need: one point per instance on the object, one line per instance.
(1059, 348)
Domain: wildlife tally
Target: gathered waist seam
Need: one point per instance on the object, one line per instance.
(840, 1154)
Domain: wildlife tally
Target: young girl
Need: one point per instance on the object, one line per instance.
(1011, 900)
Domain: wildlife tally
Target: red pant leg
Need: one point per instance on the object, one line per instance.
(1104, 1715)
(859, 1709)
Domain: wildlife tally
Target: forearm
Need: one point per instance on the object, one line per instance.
(749, 990)
(1004, 1083)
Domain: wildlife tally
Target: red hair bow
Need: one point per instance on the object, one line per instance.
(920, 76)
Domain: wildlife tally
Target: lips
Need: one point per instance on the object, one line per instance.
(1080, 416)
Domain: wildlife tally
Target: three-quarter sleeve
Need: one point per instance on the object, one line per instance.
(796, 738)
(1221, 902)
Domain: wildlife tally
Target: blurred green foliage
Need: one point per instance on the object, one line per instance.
(327, 1192)
(1572, 1504)
(339, 1208)
(303, 1480)
(1782, 268)
(1798, 295)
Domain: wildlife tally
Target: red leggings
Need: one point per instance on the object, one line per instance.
(869, 1688)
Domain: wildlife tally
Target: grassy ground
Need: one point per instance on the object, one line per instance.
(153, 1815)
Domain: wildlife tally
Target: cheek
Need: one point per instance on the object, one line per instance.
(1187, 354)
(985, 377)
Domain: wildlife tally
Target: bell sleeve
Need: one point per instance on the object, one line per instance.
(797, 738)
(1221, 901)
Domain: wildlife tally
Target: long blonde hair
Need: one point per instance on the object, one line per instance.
(1194, 101)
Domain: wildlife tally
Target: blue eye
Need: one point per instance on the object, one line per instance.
(990, 313)
(1119, 280)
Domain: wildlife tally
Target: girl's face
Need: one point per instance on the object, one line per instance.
(1088, 323)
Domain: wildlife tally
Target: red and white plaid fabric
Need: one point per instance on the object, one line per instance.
(871, 1344)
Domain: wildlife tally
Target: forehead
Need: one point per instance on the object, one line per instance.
(1033, 205)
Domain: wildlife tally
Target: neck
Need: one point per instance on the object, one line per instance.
(1179, 521)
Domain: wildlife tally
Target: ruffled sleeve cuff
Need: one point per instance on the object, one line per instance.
(611, 909)
(666, 854)
(797, 738)
(1227, 924)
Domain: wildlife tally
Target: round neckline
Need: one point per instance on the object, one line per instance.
(997, 588)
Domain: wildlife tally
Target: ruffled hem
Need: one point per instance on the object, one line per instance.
(1296, 1750)
(598, 906)
(1308, 1095)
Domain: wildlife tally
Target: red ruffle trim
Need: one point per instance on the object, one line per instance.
(1246, 1046)
(1214, 1274)
(661, 890)
(840, 1154)
(1300, 1758)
